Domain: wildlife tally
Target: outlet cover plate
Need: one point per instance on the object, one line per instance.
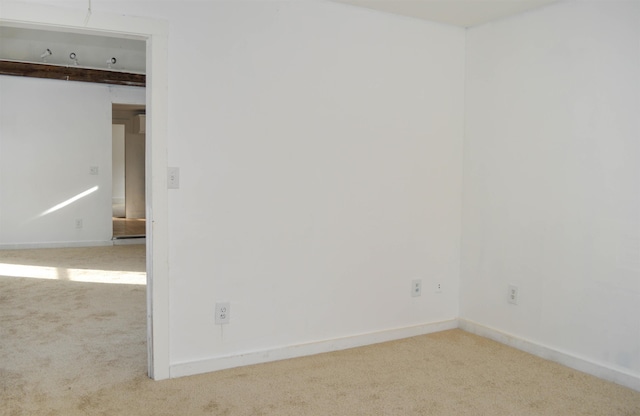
(512, 295)
(223, 312)
(416, 287)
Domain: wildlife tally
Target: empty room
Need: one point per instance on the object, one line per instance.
(351, 207)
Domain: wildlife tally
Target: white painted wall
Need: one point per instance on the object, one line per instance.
(320, 173)
(320, 156)
(51, 133)
(552, 180)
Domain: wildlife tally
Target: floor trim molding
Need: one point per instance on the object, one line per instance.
(62, 244)
(312, 348)
(76, 244)
(600, 370)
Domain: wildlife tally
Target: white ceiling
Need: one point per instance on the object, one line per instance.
(463, 13)
(95, 51)
(28, 45)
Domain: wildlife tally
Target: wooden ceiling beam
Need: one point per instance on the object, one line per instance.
(70, 73)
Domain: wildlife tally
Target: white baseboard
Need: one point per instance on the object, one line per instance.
(294, 351)
(129, 241)
(600, 370)
(62, 244)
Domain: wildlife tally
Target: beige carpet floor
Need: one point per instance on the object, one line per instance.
(72, 342)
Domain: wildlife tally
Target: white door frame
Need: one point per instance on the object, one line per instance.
(155, 32)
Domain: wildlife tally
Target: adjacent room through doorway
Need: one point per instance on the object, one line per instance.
(128, 171)
(62, 245)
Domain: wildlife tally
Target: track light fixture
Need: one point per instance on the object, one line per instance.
(74, 58)
(111, 62)
(47, 52)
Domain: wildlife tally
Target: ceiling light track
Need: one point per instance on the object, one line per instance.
(71, 73)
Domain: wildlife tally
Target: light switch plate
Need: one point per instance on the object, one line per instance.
(173, 178)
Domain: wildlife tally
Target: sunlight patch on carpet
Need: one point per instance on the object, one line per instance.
(74, 275)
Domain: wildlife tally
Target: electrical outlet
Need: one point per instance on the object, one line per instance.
(512, 296)
(223, 312)
(438, 287)
(416, 287)
(79, 223)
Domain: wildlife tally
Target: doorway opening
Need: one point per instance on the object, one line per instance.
(155, 34)
(128, 171)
